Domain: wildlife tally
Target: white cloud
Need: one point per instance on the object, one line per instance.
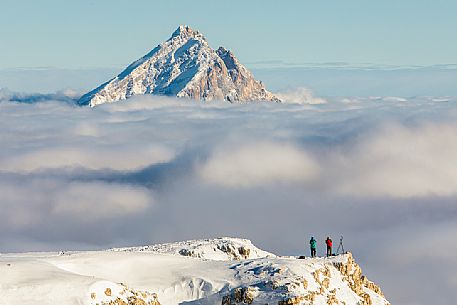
(33, 201)
(96, 200)
(90, 156)
(300, 95)
(258, 164)
(401, 162)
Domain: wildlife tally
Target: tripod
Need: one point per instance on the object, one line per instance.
(340, 246)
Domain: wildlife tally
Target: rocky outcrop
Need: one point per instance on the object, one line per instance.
(183, 66)
(352, 273)
(232, 252)
(240, 295)
(120, 294)
(330, 281)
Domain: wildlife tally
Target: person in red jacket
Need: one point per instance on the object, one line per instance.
(328, 242)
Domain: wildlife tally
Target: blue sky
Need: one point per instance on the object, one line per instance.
(88, 33)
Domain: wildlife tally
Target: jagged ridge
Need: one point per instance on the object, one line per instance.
(183, 66)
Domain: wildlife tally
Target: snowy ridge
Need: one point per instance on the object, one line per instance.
(221, 249)
(160, 274)
(287, 281)
(183, 66)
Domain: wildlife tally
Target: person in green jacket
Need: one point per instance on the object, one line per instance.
(312, 243)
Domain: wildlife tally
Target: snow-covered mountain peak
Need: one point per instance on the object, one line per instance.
(184, 31)
(183, 66)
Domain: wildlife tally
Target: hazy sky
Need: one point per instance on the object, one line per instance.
(102, 33)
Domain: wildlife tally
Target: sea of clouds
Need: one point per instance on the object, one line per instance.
(380, 171)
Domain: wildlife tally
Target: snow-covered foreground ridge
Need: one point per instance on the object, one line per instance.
(183, 66)
(219, 271)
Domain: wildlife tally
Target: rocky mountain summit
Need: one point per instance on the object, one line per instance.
(183, 66)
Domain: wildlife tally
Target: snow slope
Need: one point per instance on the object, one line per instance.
(183, 66)
(161, 273)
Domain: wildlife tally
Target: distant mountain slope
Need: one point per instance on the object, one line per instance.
(183, 66)
(162, 274)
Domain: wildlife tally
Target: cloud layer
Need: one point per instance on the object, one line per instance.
(380, 171)
(300, 95)
(403, 162)
(258, 164)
